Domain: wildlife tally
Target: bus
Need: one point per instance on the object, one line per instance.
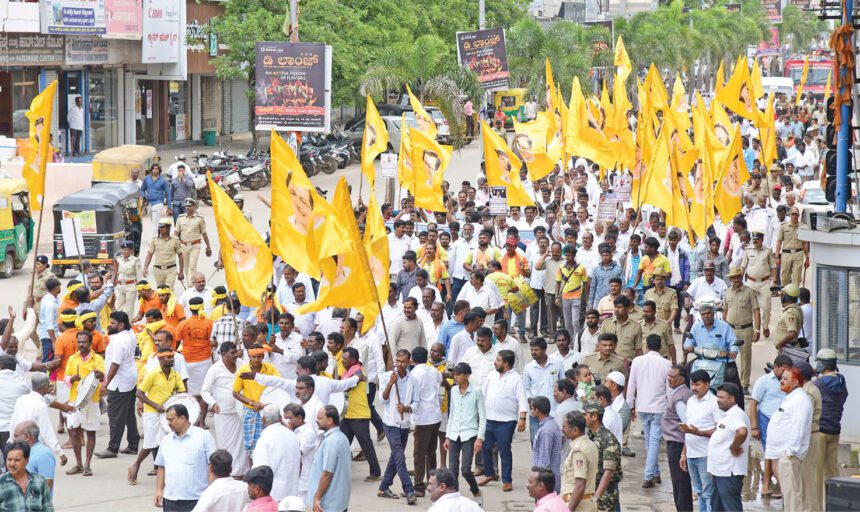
(816, 80)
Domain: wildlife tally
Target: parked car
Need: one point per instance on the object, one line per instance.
(355, 130)
(813, 200)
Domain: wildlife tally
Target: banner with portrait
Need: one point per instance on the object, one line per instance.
(483, 52)
(293, 86)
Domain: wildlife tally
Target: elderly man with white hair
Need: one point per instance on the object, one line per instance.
(278, 448)
(198, 288)
(34, 407)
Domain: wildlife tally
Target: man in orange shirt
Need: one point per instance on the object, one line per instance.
(69, 301)
(171, 309)
(65, 345)
(147, 299)
(194, 333)
(87, 322)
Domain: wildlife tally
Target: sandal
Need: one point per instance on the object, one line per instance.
(152, 472)
(75, 470)
(88, 472)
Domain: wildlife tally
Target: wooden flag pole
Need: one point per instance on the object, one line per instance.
(36, 245)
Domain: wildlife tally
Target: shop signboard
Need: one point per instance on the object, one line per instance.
(734, 8)
(293, 86)
(124, 19)
(78, 17)
(31, 49)
(773, 10)
(86, 51)
(162, 31)
(483, 52)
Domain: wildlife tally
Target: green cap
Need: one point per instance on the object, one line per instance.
(592, 407)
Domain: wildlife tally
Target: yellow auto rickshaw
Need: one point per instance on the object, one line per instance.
(16, 225)
(115, 164)
(512, 102)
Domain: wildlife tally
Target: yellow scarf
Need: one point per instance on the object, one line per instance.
(79, 322)
(198, 310)
(71, 289)
(145, 342)
(171, 302)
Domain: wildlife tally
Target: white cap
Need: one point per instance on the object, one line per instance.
(291, 504)
(581, 162)
(617, 377)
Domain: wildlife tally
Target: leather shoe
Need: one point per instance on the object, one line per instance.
(627, 452)
(647, 484)
(128, 451)
(107, 454)
(507, 487)
(658, 480)
(487, 479)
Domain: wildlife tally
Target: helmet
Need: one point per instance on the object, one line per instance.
(238, 198)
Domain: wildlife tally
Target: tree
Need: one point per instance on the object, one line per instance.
(799, 28)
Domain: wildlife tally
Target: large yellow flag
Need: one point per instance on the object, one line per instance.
(347, 281)
(584, 135)
(656, 89)
(767, 134)
(702, 206)
(424, 120)
(429, 161)
(551, 96)
(622, 61)
(802, 83)
(503, 167)
(657, 179)
(827, 87)
(530, 143)
(678, 214)
(375, 244)
(298, 211)
(404, 159)
(738, 94)
(733, 175)
(246, 257)
(39, 149)
(755, 80)
(719, 79)
(373, 142)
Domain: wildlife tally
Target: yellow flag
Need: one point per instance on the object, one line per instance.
(656, 89)
(39, 150)
(733, 175)
(300, 211)
(702, 206)
(678, 214)
(503, 167)
(755, 80)
(373, 142)
(551, 96)
(347, 281)
(424, 120)
(246, 257)
(827, 86)
(618, 127)
(404, 159)
(719, 79)
(767, 134)
(530, 143)
(737, 94)
(584, 135)
(622, 61)
(657, 184)
(803, 76)
(722, 132)
(375, 244)
(429, 161)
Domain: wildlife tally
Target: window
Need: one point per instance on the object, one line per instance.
(25, 87)
(837, 311)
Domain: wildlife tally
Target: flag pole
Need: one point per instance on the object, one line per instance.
(36, 245)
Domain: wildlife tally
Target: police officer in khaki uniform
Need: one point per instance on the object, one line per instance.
(191, 230)
(744, 315)
(760, 266)
(628, 333)
(791, 252)
(579, 470)
(755, 188)
(166, 250)
(790, 321)
(129, 271)
(666, 298)
(653, 325)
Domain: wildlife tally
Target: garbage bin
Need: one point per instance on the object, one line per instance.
(209, 137)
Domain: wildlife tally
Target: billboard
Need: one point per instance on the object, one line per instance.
(162, 29)
(78, 17)
(123, 19)
(773, 10)
(483, 52)
(293, 86)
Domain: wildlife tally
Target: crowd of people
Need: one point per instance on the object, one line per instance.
(543, 319)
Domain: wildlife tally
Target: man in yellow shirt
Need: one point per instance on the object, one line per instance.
(572, 287)
(651, 262)
(249, 392)
(86, 417)
(356, 418)
(152, 392)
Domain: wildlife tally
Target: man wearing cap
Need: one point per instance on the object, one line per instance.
(790, 320)
(167, 250)
(191, 230)
(666, 298)
(129, 271)
(743, 314)
(609, 472)
(791, 252)
(759, 265)
(754, 188)
(834, 393)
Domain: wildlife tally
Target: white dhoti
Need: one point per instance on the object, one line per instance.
(152, 431)
(196, 374)
(63, 395)
(228, 436)
(87, 418)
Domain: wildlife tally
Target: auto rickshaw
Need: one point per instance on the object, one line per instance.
(109, 214)
(512, 102)
(115, 164)
(16, 225)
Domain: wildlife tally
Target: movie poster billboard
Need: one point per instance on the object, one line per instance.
(293, 86)
(484, 53)
(773, 10)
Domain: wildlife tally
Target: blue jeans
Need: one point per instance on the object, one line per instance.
(397, 438)
(703, 485)
(728, 496)
(178, 209)
(47, 350)
(521, 321)
(499, 433)
(763, 422)
(653, 434)
(456, 286)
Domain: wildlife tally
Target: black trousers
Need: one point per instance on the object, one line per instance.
(727, 493)
(538, 313)
(682, 489)
(375, 418)
(121, 418)
(361, 429)
(178, 505)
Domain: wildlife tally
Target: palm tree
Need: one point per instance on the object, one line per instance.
(799, 28)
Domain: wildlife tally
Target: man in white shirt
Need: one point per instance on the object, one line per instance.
(294, 416)
(34, 407)
(482, 357)
(465, 339)
(217, 391)
(289, 278)
(506, 407)
(182, 462)
(306, 322)
(398, 244)
(427, 416)
(646, 393)
(120, 382)
(287, 346)
(567, 357)
(198, 289)
(702, 412)
(788, 434)
(539, 377)
(480, 294)
(278, 448)
(444, 492)
(224, 491)
(707, 283)
(457, 256)
(728, 451)
(400, 400)
(75, 118)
